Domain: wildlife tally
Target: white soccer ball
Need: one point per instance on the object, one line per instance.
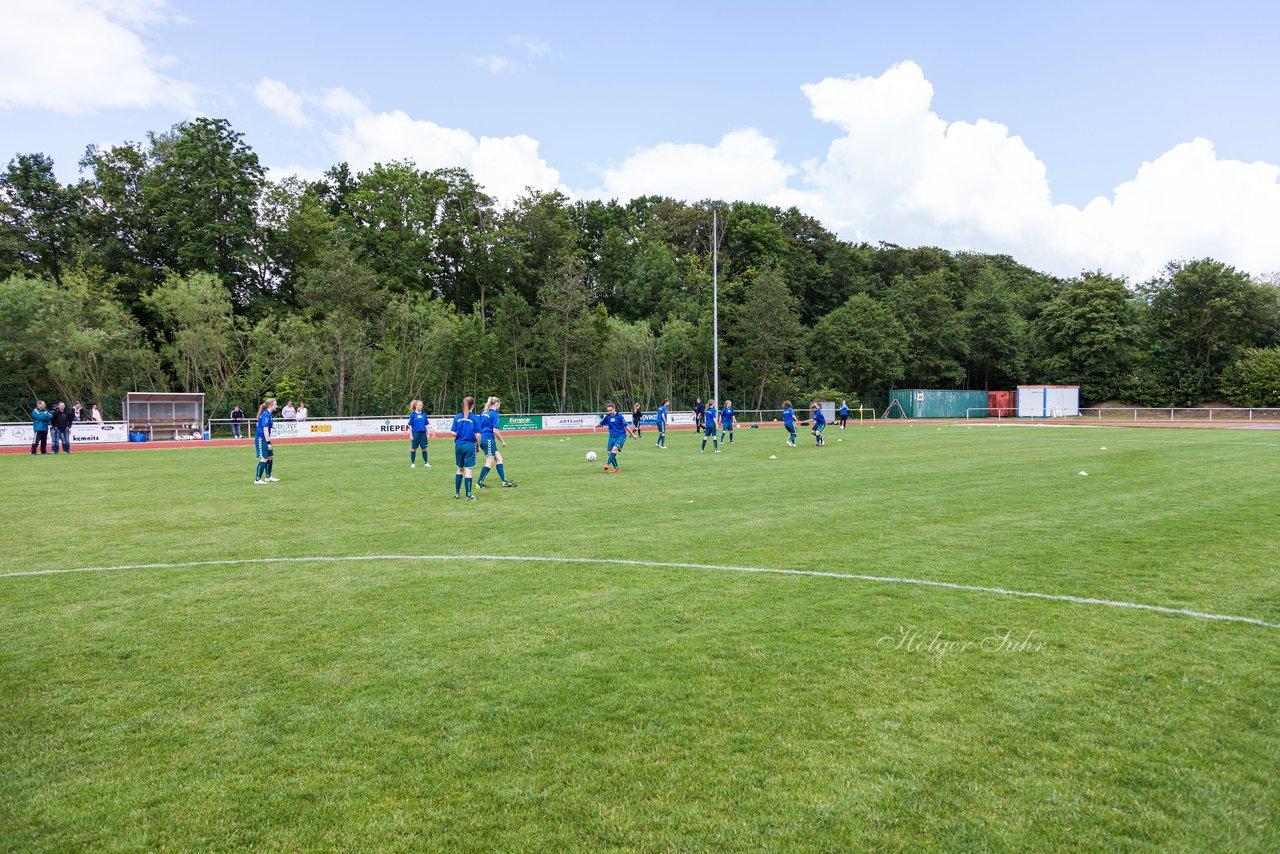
(591, 456)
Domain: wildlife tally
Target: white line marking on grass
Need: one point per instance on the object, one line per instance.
(879, 579)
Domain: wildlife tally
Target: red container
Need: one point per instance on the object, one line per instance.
(1001, 404)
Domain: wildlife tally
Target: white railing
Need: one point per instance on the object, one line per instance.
(1150, 413)
(1182, 413)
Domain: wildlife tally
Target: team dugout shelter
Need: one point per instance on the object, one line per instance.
(165, 415)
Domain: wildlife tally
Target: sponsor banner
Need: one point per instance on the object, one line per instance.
(569, 422)
(679, 419)
(520, 422)
(82, 433)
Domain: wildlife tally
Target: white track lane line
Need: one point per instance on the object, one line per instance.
(879, 579)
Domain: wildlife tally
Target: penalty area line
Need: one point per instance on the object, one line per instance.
(846, 576)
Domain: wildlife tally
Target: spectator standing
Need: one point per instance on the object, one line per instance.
(301, 414)
(237, 421)
(289, 413)
(40, 418)
(96, 414)
(61, 421)
(77, 413)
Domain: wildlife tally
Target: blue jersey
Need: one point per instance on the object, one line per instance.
(819, 420)
(486, 422)
(844, 410)
(616, 423)
(464, 429)
(726, 417)
(789, 418)
(417, 422)
(264, 424)
(711, 420)
(662, 417)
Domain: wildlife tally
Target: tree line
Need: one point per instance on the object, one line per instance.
(174, 264)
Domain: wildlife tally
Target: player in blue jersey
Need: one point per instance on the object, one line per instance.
(727, 422)
(789, 421)
(844, 414)
(819, 422)
(618, 432)
(262, 442)
(662, 424)
(710, 432)
(489, 439)
(419, 427)
(464, 430)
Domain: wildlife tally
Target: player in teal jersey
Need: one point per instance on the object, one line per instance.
(262, 442)
(618, 432)
(662, 424)
(819, 422)
(490, 437)
(789, 421)
(464, 446)
(711, 426)
(419, 427)
(727, 422)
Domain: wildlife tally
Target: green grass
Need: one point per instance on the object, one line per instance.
(468, 704)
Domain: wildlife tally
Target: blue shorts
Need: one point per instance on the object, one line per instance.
(727, 428)
(617, 442)
(262, 447)
(662, 426)
(464, 454)
(711, 429)
(418, 440)
(791, 428)
(818, 428)
(488, 446)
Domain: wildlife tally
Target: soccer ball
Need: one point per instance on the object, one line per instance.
(591, 456)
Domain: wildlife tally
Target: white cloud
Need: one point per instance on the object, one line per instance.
(81, 56)
(901, 173)
(744, 165)
(281, 100)
(492, 63)
(529, 47)
(504, 166)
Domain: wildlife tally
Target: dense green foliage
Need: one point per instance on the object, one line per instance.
(175, 264)
(471, 704)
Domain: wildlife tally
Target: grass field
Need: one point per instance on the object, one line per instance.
(468, 703)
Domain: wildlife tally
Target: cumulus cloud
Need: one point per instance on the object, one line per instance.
(281, 100)
(504, 166)
(899, 172)
(743, 165)
(902, 173)
(83, 56)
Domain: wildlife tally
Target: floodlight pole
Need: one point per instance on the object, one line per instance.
(715, 302)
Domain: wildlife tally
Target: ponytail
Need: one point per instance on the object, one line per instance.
(266, 404)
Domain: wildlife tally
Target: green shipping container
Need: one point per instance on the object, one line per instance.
(939, 403)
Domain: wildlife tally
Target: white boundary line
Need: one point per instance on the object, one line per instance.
(879, 579)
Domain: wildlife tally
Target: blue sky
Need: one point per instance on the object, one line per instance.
(1073, 136)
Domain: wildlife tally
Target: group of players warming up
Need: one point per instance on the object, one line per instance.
(478, 432)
